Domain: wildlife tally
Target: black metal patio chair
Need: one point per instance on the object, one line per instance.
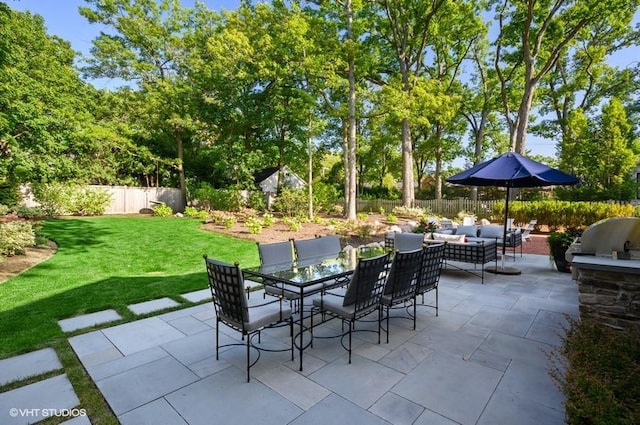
(432, 257)
(229, 299)
(361, 298)
(401, 285)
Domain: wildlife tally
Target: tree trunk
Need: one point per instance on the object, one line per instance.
(183, 184)
(438, 175)
(310, 176)
(519, 143)
(351, 156)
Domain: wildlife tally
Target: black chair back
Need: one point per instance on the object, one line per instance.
(432, 256)
(404, 275)
(227, 289)
(367, 283)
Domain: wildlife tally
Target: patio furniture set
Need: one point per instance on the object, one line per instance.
(313, 279)
(471, 244)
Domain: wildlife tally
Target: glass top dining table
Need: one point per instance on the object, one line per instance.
(309, 277)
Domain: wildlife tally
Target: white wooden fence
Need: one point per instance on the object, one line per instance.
(129, 200)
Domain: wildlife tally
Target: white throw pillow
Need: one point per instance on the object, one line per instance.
(448, 238)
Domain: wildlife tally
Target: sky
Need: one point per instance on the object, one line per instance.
(61, 18)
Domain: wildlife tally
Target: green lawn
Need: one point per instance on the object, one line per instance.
(106, 263)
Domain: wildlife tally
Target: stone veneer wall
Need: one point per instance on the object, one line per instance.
(611, 297)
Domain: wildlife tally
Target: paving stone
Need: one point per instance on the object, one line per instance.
(153, 305)
(142, 334)
(34, 402)
(224, 397)
(88, 320)
(189, 325)
(197, 296)
(448, 385)
(122, 364)
(94, 348)
(35, 363)
(136, 387)
(185, 312)
(157, 412)
(397, 410)
(337, 410)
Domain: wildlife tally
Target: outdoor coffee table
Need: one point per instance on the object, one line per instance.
(308, 278)
(477, 252)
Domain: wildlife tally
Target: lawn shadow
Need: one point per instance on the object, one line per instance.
(74, 234)
(35, 325)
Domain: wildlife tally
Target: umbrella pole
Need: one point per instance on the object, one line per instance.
(502, 269)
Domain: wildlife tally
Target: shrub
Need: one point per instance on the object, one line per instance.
(54, 198)
(364, 230)
(392, 218)
(268, 220)
(292, 203)
(4, 209)
(193, 212)
(88, 201)
(229, 222)
(10, 194)
(558, 214)
(408, 212)
(61, 198)
(602, 378)
(29, 213)
(15, 237)
(362, 216)
(294, 225)
(218, 199)
(256, 201)
(254, 225)
(162, 210)
(324, 196)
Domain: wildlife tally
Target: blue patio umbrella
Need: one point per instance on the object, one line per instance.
(511, 170)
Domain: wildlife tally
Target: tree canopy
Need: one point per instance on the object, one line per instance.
(402, 91)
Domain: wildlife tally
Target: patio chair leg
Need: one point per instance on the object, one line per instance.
(217, 339)
(248, 358)
(291, 332)
(379, 323)
(414, 313)
(436, 301)
(350, 327)
(387, 327)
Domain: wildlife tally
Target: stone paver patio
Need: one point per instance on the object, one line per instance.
(483, 360)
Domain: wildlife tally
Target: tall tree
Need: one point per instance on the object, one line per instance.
(533, 35)
(44, 106)
(145, 49)
(406, 29)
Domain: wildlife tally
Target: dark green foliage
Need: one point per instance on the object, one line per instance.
(29, 213)
(379, 192)
(292, 203)
(57, 199)
(9, 195)
(256, 200)
(209, 198)
(602, 379)
(557, 214)
(324, 197)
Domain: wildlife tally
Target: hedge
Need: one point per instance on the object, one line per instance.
(556, 214)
